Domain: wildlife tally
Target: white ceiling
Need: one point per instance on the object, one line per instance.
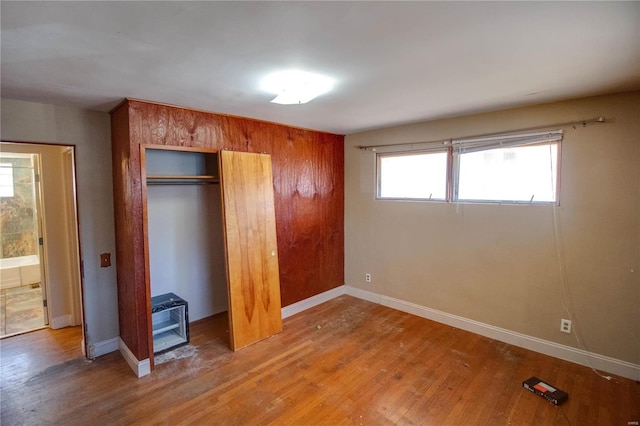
(394, 62)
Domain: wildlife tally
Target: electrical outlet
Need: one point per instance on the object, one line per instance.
(565, 325)
(367, 277)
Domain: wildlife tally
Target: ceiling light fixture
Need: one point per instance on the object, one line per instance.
(296, 87)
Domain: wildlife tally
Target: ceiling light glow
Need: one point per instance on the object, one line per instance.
(296, 87)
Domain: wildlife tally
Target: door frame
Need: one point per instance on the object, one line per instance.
(77, 287)
(145, 228)
(71, 200)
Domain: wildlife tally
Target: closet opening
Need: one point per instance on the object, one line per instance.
(184, 240)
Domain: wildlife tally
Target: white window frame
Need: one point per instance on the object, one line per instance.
(6, 180)
(457, 147)
(440, 149)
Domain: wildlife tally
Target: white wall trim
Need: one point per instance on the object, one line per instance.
(102, 348)
(140, 368)
(312, 301)
(61, 321)
(556, 350)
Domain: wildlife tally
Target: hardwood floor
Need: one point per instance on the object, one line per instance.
(347, 362)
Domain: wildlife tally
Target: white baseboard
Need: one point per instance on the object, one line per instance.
(312, 301)
(102, 348)
(61, 321)
(556, 350)
(140, 368)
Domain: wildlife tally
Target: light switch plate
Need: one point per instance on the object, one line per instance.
(105, 260)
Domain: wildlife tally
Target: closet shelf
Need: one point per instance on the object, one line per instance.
(181, 179)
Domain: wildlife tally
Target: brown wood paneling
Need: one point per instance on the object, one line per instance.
(308, 177)
(308, 173)
(128, 226)
(251, 247)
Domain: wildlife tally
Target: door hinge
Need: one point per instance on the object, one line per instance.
(82, 270)
(44, 302)
(36, 177)
(40, 241)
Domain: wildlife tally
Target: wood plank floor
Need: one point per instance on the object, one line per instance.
(364, 365)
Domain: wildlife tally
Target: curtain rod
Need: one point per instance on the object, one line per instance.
(600, 119)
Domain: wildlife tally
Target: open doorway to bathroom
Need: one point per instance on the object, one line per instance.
(23, 302)
(41, 280)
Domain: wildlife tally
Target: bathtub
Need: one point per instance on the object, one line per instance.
(17, 271)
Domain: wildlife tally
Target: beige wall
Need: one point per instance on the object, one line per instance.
(509, 265)
(90, 132)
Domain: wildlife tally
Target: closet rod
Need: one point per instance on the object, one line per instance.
(180, 182)
(600, 119)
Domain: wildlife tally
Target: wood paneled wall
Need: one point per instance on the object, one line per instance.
(308, 172)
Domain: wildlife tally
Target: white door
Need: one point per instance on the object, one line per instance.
(37, 189)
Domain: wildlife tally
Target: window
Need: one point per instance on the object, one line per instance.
(519, 168)
(421, 176)
(6, 180)
(518, 174)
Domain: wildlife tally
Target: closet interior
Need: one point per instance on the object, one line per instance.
(185, 240)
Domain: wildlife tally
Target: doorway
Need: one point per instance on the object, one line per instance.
(38, 183)
(23, 298)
